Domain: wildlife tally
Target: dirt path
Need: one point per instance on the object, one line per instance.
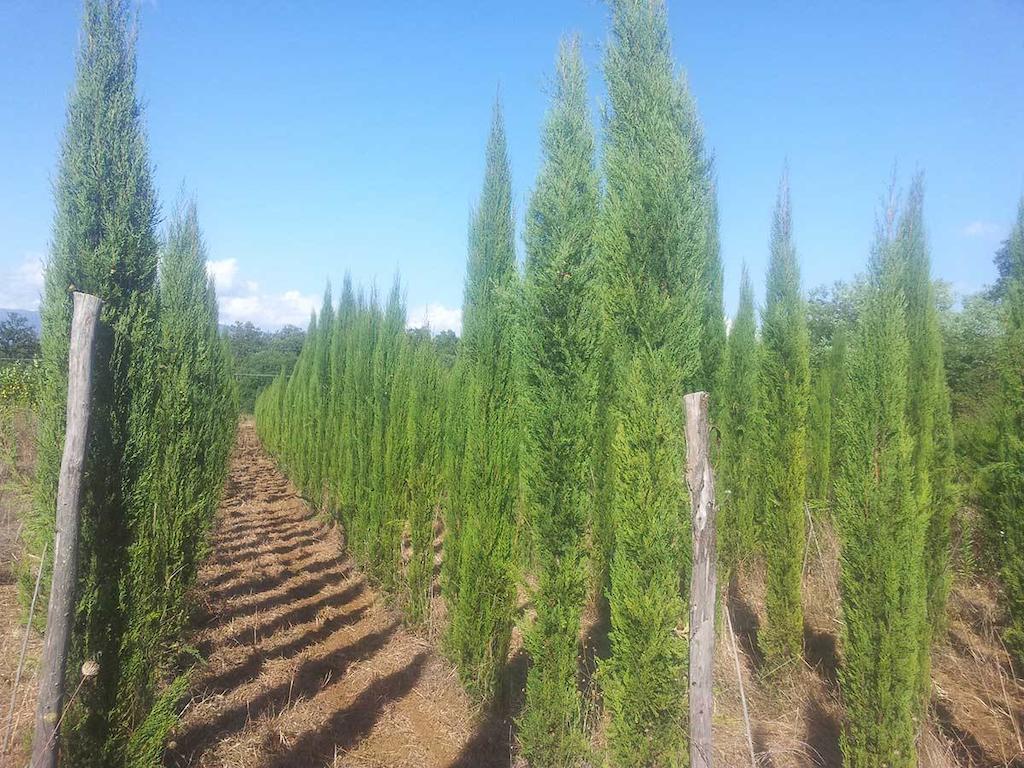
(306, 667)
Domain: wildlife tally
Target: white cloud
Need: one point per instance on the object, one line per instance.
(244, 301)
(223, 273)
(437, 317)
(268, 310)
(21, 286)
(986, 229)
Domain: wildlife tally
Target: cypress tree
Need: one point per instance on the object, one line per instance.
(335, 435)
(928, 416)
(454, 462)
(191, 434)
(784, 391)
(1004, 478)
(713, 336)
(643, 678)
(104, 243)
(819, 430)
(397, 461)
(381, 514)
(482, 613)
(558, 349)
(739, 452)
(319, 393)
(881, 529)
(424, 435)
(652, 251)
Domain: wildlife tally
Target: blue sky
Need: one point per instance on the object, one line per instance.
(321, 137)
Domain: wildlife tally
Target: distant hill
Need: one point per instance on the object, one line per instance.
(30, 314)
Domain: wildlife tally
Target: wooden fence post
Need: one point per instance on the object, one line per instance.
(701, 482)
(65, 553)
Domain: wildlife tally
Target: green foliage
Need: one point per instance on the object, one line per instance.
(1004, 477)
(163, 400)
(482, 604)
(104, 243)
(739, 453)
(149, 741)
(883, 534)
(928, 417)
(358, 426)
(660, 293)
(558, 347)
(189, 438)
(424, 438)
(258, 357)
(642, 682)
(784, 394)
(18, 340)
(19, 384)
(831, 313)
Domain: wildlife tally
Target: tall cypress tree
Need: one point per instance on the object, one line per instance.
(784, 391)
(881, 530)
(1004, 479)
(319, 392)
(336, 436)
(381, 514)
(103, 243)
(190, 437)
(558, 350)
(928, 415)
(652, 238)
(739, 453)
(481, 616)
(424, 435)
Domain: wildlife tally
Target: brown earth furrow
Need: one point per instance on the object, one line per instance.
(306, 666)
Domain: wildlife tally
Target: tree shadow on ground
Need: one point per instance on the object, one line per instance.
(490, 746)
(821, 736)
(597, 647)
(298, 615)
(250, 667)
(347, 727)
(965, 746)
(820, 652)
(271, 600)
(307, 680)
(268, 582)
(746, 626)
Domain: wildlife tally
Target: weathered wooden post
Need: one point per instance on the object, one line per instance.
(701, 482)
(65, 553)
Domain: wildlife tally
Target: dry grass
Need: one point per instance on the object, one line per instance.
(17, 466)
(977, 706)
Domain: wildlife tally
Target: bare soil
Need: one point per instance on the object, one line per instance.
(307, 666)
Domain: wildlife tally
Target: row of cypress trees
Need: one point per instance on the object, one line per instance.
(562, 410)
(358, 427)
(163, 406)
(882, 445)
(1003, 478)
(618, 312)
